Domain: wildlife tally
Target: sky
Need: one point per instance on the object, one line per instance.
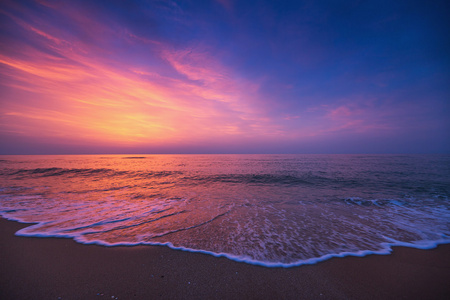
(224, 76)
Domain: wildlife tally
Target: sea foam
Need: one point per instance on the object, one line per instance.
(274, 211)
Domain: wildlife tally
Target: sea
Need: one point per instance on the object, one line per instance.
(269, 210)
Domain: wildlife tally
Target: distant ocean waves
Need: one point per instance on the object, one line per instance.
(47, 172)
(306, 178)
(271, 210)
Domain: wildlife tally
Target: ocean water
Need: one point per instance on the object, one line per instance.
(271, 210)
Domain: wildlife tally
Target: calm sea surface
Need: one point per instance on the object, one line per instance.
(273, 210)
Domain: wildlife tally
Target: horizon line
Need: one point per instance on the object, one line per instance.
(236, 153)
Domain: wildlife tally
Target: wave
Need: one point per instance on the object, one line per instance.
(385, 248)
(253, 179)
(159, 173)
(252, 235)
(375, 202)
(301, 179)
(263, 212)
(276, 179)
(47, 172)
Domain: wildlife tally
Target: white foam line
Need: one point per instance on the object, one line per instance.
(386, 247)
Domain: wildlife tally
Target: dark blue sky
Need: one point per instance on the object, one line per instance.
(224, 76)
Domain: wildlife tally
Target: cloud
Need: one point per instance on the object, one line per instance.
(143, 73)
(67, 87)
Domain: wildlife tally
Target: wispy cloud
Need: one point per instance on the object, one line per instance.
(221, 72)
(75, 91)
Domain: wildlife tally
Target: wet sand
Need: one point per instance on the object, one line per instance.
(51, 268)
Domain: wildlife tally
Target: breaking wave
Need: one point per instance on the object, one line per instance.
(260, 210)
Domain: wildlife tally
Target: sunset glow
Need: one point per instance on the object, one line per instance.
(221, 76)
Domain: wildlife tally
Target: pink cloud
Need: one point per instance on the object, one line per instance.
(291, 117)
(81, 93)
(358, 115)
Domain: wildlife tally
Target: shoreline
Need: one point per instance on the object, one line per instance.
(311, 261)
(59, 268)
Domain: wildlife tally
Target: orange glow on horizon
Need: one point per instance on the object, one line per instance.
(206, 78)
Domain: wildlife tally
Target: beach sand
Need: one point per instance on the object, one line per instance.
(52, 268)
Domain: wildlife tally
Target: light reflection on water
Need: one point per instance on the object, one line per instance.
(262, 208)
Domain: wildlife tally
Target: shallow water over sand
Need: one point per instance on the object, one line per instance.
(274, 210)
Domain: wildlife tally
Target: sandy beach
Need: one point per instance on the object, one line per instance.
(50, 268)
